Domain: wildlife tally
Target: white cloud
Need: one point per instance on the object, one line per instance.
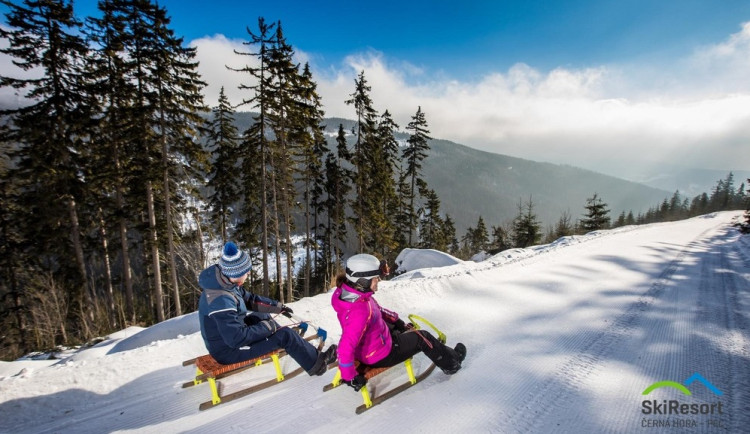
(216, 54)
(692, 112)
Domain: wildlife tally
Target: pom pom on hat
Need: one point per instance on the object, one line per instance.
(234, 262)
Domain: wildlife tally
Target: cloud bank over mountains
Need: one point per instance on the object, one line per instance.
(619, 119)
(691, 111)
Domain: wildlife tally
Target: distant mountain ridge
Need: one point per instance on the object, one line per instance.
(471, 183)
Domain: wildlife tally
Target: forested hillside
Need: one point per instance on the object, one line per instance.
(118, 181)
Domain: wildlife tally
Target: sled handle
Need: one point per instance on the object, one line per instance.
(322, 334)
(441, 336)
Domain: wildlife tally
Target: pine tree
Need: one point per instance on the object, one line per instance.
(414, 154)
(165, 114)
(337, 187)
(739, 197)
(500, 239)
(178, 87)
(108, 73)
(255, 148)
(283, 108)
(309, 134)
(675, 207)
(449, 232)
(431, 233)
(13, 304)
(630, 220)
(381, 202)
(365, 130)
(527, 230)
(564, 226)
(403, 214)
(50, 131)
(222, 138)
(479, 237)
(596, 216)
(620, 220)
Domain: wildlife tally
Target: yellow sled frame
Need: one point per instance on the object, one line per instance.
(375, 371)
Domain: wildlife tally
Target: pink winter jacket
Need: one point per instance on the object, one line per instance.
(364, 333)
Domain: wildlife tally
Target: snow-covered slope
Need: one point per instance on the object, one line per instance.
(561, 338)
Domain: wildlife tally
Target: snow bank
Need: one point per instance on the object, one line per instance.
(169, 329)
(416, 259)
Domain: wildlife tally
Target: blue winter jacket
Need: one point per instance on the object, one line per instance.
(222, 310)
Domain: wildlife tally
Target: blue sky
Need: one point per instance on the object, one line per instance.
(614, 86)
(465, 39)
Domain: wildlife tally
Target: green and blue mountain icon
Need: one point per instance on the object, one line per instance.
(683, 387)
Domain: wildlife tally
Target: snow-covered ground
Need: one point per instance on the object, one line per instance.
(561, 338)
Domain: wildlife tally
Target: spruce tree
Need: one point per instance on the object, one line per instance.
(165, 114)
(564, 226)
(13, 303)
(480, 237)
(50, 131)
(222, 138)
(500, 239)
(630, 220)
(381, 202)
(178, 85)
(431, 233)
(597, 214)
(449, 232)
(414, 153)
(337, 187)
(256, 148)
(308, 132)
(527, 230)
(365, 130)
(287, 116)
(403, 216)
(109, 71)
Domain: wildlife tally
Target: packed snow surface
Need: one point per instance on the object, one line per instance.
(564, 337)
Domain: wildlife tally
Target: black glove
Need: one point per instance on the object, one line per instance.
(286, 311)
(400, 325)
(251, 320)
(357, 382)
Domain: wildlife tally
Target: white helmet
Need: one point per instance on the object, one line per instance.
(362, 266)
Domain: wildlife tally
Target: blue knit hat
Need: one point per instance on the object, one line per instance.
(234, 262)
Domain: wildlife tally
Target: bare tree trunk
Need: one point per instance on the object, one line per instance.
(306, 286)
(289, 252)
(202, 250)
(158, 296)
(264, 216)
(111, 312)
(127, 275)
(170, 235)
(79, 297)
(200, 238)
(277, 235)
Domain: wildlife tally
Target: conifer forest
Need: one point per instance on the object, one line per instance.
(119, 182)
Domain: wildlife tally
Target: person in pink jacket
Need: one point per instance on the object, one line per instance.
(375, 336)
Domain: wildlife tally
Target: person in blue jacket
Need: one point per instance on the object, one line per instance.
(236, 324)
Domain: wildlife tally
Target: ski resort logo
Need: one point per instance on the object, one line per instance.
(680, 413)
(683, 388)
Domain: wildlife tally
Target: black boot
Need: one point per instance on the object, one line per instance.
(461, 350)
(456, 365)
(325, 358)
